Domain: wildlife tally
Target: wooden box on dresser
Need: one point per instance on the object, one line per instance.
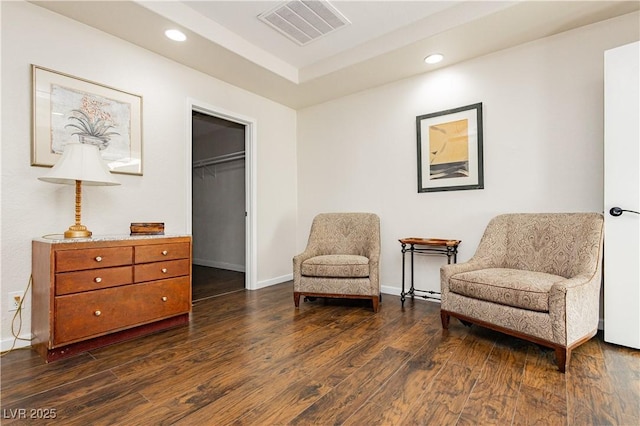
(93, 292)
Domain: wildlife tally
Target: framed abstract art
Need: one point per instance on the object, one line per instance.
(450, 149)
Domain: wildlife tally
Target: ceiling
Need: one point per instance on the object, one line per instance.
(384, 42)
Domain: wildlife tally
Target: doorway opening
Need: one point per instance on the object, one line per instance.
(218, 205)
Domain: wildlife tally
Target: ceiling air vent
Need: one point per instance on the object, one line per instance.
(304, 21)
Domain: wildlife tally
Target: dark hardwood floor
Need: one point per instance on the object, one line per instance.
(210, 282)
(250, 358)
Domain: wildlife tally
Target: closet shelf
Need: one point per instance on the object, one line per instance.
(225, 158)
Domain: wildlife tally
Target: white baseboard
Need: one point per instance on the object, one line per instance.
(6, 344)
(274, 281)
(220, 265)
(395, 291)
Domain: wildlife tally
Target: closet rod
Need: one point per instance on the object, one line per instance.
(219, 159)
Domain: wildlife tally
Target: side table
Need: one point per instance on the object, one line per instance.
(434, 246)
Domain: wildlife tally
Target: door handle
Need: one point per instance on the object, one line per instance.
(617, 211)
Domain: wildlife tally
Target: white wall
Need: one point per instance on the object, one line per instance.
(31, 208)
(543, 145)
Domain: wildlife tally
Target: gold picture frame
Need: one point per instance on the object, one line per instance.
(69, 109)
(450, 149)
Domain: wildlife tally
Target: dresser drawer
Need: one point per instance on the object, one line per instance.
(83, 315)
(158, 252)
(93, 279)
(161, 270)
(77, 260)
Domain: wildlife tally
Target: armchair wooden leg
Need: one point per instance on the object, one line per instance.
(444, 318)
(296, 298)
(376, 303)
(563, 356)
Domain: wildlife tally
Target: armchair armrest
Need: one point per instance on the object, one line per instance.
(574, 307)
(308, 253)
(374, 270)
(574, 283)
(446, 271)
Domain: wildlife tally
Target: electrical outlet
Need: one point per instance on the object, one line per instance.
(14, 300)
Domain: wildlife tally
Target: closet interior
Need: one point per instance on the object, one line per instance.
(218, 206)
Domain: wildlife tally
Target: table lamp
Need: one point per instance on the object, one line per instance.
(80, 163)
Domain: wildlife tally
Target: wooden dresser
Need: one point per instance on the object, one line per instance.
(97, 291)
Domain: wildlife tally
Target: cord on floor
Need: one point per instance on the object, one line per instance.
(18, 316)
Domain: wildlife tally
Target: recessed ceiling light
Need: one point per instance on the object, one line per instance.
(434, 59)
(175, 35)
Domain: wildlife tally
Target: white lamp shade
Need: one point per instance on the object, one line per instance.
(81, 162)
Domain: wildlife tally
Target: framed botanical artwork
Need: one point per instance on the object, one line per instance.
(68, 109)
(450, 149)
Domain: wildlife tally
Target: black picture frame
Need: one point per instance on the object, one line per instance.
(450, 154)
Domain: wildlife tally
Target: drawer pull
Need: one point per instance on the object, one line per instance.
(97, 313)
(98, 279)
(98, 258)
(164, 298)
(164, 252)
(164, 270)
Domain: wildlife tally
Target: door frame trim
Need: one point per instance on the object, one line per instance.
(250, 142)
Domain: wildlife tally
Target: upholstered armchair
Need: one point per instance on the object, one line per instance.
(341, 259)
(533, 276)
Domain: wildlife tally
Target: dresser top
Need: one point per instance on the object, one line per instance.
(59, 238)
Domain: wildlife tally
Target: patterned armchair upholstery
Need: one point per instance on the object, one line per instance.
(341, 258)
(533, 276)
